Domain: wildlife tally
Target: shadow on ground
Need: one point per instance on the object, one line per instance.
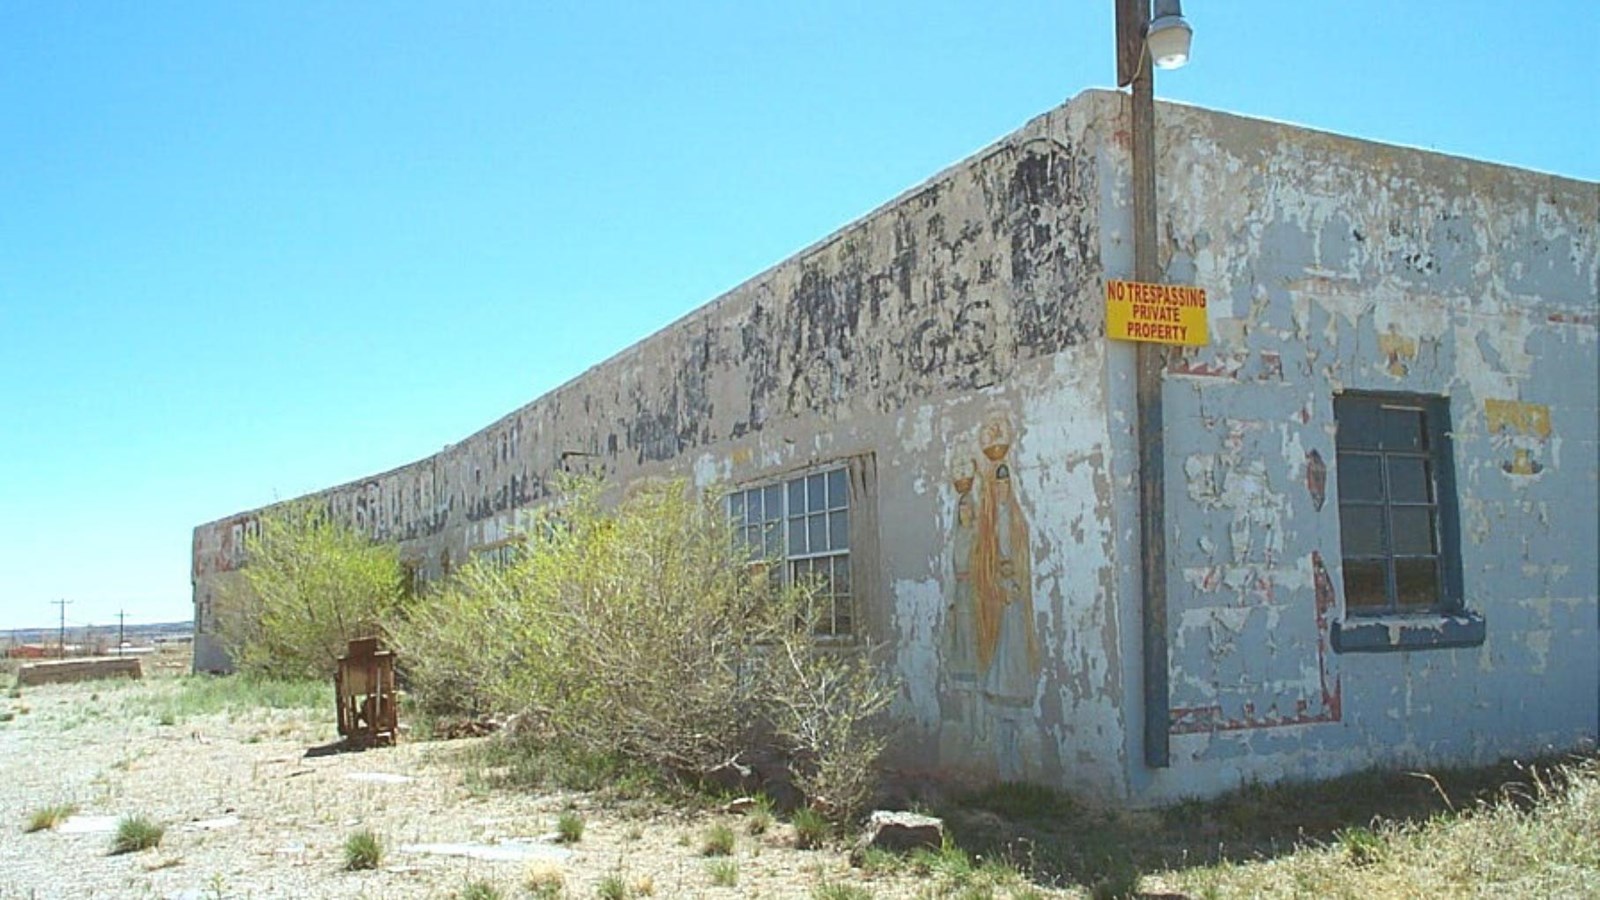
(1061, 841)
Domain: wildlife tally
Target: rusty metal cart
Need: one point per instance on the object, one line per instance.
(363, 687)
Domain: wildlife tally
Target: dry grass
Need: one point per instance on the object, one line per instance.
(1537, 839)
(46, 818)
(1509, 830)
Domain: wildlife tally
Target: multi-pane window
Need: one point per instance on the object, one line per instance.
(804, 523)
(1396, 503)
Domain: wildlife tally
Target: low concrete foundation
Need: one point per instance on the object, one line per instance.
(62, 671)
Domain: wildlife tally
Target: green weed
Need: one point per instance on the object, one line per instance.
(718, 841)
(362, 850)
(811, 828)
(723, 872)
(135, 833)
(569, 827)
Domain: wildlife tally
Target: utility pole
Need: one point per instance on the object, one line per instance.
(63, 605)
(1139, 27)
(121, 615)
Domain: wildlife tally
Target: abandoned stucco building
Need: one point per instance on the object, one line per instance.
(1381, 489)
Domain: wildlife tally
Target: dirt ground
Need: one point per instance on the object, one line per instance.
(249, 814)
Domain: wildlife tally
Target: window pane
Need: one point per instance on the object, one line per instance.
(797, 497)
(772, 544)
(824, 574)
(752, 508)
(772, 502)
(1358, 422)
(817, 529)
(841, 617)
(1417, 582)
(1360, 476)
(1361, 530)
(838, 494)
(841, 574)
(839, 530)
(1409, 481)
(797, 536)
(1400, 428)
(816, 493)
(1413, 530)
(736, 507)
(1366, 587)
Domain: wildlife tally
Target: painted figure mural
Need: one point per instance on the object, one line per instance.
(991, 654)
(1008, 654)
(960, 633)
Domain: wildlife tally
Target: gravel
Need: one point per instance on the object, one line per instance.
(248, 814)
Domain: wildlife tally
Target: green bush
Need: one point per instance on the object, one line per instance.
(640, 632)
(310, 584)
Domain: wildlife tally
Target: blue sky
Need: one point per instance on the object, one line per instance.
(249, 250)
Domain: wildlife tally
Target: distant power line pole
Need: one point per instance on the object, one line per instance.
(63, 605)
(120, 616)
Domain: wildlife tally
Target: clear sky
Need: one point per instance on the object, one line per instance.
(250, 250)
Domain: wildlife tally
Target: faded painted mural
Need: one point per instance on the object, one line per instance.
(991, 652)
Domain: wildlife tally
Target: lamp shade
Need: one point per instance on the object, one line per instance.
(1168, 36)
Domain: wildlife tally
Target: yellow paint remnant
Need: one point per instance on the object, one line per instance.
(1399, 349)
(1516, 417)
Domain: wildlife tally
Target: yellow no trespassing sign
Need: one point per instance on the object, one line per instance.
(1156, 313)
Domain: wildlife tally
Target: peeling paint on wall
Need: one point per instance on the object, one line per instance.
(953, 338)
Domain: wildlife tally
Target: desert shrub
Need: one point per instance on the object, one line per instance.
(612, 887)
(362, 850)
(827, 708)
(569, 827)
(761, 817)
(310, 584)
(454, 642)
(719, 841)
(723, 872)
(640, 632)
(479, 890)
(135, 833)
(811, 829)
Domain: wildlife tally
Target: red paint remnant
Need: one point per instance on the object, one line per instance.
(1197, 368)
(1201, 719)
(1566, 318)
(1271, 366)
(1316, 478)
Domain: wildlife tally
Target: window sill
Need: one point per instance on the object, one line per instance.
(1427, 631)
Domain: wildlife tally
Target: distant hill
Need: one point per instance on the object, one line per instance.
(144, 632)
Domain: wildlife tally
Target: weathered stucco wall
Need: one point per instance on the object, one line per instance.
(946, 346)
(1332, 265)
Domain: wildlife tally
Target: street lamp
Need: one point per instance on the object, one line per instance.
(1142, 40)
(1168, 36)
